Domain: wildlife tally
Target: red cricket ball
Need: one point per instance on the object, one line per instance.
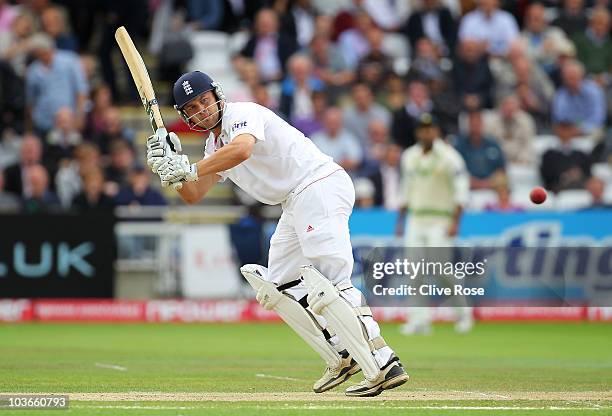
(538, 195)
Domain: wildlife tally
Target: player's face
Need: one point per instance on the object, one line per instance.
(203, 111)
(427, 135)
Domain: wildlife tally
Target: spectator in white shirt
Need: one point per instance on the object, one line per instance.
(515, 130)
(353, 42)
(493, 27)
(338, 143)
(542, 40)
(388, 14)
(363, 111)
(304, 16)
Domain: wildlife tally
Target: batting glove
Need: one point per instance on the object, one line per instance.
(268, 298)
(178, 169)
(161, 145)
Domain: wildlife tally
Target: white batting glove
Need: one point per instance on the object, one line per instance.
(178, 169)
(160, 145)
(163, 161)
(268, 298)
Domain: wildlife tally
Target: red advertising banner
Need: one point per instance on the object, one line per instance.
(215, 311)
(198, 311)
(15, 310)
(530, 313)
(89, 310)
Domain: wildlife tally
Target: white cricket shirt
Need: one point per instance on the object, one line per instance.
(434, 183)
(282, 159)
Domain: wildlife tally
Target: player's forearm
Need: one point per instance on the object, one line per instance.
(226, 158)
(457, 214)
(401, 214)
(193, 192)
(401, 219)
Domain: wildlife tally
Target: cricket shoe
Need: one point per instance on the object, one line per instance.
(464, 325)
(335, 376)
(414, 328)
(391, 375)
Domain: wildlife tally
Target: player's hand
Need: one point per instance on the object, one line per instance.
(160, 145)
(399, 230)
(453, 229)
(178, 169)
(162, 161)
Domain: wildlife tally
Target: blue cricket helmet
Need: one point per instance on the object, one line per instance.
(191, 85)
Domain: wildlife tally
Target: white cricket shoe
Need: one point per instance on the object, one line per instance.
(464, 325)
(391, 375)
(335, 376)
(414, 328)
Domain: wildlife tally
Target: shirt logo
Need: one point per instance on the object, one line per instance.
(187, 87)
(239, 125)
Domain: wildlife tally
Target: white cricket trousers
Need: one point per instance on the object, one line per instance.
(431, 232)
(313, 230)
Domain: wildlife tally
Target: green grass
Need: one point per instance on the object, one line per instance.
(311, 408)
(505, 357)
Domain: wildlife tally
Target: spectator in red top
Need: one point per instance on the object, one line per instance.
(102, 100)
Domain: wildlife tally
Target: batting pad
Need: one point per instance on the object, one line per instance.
(325, 300)
(290, 311)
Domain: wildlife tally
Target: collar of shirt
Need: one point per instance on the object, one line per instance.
(219, 141)
(272, 37)
(590, 34)
(484, 143)
(483, 16)
(534, 38)
(222, 140)
(436, 147)
(415, 111)
(572, 94)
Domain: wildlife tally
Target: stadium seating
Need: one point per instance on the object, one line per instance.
(523, 178)
(603, 171)
(480, 198)
(520, 198)
(397, 46)
(212, 55)
(608, 193)
(572, 199)
(542, 143)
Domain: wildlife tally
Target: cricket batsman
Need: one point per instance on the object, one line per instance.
(307, 281)
(434, 187)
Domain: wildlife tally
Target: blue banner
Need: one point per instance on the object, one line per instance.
(531, 255)
(594, 224)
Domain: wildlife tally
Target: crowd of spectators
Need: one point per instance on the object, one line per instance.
(63, 145)
(496, 74)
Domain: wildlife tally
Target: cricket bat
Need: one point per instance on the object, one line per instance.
(143, 82)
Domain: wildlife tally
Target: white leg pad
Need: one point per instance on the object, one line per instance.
(324, 299)
(290, 311)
